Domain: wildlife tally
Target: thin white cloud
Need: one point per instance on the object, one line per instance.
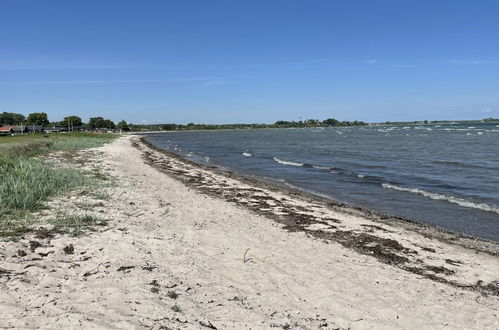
(82, 82)
(487, 110)
(207, 82)
(211, 83)
(371, 61)
(53, 63)
(473, 62)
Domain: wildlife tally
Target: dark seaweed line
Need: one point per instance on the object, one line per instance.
(385, 250)
(424, 229)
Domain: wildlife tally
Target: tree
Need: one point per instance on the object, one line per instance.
(331, 122)
(169, 127)
(10, 118)
(109, 124)
(73, 120)
(312, 122)
(37, 118)
(123, 126)
(97, 122)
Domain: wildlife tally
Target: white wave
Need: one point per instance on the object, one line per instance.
(321, 167)
(455, 200)
(247, 154)
(286, 162)
(360, 176)
(206, 158)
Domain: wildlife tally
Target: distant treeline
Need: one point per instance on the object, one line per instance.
(278, 124)
(443, 122)
(76, 123)
(41, 119)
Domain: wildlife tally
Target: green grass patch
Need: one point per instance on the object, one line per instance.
(26, 181)
(12, 231)
(37, 144)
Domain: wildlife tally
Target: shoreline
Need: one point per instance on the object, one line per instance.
(187, 247)
(385, 249)
(427, 229)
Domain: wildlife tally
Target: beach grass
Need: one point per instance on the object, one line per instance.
(77, 225)
(27, 181)
(38, 144)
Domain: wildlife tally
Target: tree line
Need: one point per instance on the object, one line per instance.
(41, 119)
(75, 122)
(330, 122)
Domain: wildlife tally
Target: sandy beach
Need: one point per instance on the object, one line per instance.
(191, 247)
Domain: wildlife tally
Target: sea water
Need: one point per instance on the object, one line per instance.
(445, 175)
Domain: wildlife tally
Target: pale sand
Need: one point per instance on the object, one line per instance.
(175, 233)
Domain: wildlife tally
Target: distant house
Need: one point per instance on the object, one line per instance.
(61, 128)
(20, 129)
(35, 128)
(51, 130)
(6, 130)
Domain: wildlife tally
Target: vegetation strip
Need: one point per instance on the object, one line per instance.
(28, 180)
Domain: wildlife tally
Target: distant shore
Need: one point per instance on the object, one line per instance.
(189, 246)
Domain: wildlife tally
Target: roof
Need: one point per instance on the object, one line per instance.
(18, 127)
(6, 128)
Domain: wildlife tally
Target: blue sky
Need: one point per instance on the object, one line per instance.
(250, 61)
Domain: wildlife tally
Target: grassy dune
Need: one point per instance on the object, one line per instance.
(27, 181)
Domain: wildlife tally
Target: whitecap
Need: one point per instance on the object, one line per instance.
(451, 199)
(246, 154)
(321, 167)
(286, 162)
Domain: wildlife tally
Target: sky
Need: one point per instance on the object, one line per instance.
(255, 61)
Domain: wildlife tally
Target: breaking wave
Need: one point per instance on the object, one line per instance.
(286, 162)
(451, 199)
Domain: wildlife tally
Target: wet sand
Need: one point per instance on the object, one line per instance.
(239, 254)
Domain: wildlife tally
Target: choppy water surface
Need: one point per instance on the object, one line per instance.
(445, 175)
